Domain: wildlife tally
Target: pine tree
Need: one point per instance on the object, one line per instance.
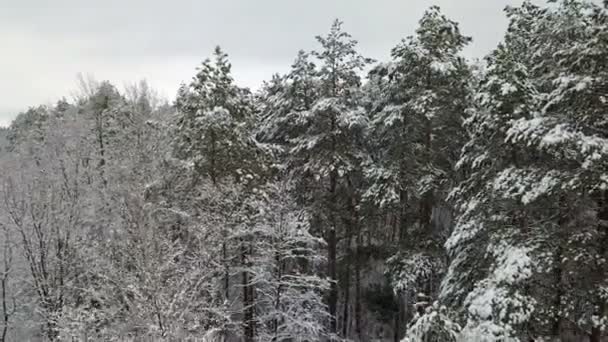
(325, 150)
(417, 104)
(530, 163)
(215, 137)
(213, 122)
(420, 98)
(315, 114)
(286, 96)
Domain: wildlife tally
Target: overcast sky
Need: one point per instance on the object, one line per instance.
(45, 44)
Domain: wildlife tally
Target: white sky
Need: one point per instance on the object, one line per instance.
(45, 44)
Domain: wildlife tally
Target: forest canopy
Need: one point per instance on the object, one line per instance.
(422, 198)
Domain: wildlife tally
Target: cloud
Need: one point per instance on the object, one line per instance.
(47, 43)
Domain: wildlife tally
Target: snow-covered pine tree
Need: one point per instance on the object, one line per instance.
(579, 75)
(417, 103)
(569, 134)
(488, 231)
(315, 113)
(419, 99)
(325, 149)
(213, 122)
(528, 204)
(214, 137)
(286, 96)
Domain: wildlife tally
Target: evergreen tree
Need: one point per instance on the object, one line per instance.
(286, 96)
(325, 150)
(213, 122)
(417, 104)
(321, 207)
(530, 183)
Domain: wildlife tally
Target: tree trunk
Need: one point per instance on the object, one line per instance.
(247, 300)
(558, 272)
(346, 289)
(403, 175)
(101, 145)
(426, 205)
(358, 288)
(5, 314)
(332, 245)
(278, 294)
(349, 223)
(8, 257)
(52, 333)
(403, 215)
(602, 216)
(226, 268)
(596, 335)
(331, 270)
(398, 321)
(212, 158)
(557, 303)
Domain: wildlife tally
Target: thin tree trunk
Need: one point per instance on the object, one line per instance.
(398, 321)
(346, 289)
(102, 149)
(331, 270)
(426, 209)
(278, 294)
(358, 287)
(279, 264)
(248, 332)
(8, 257)
(349, 224)
(226, 269)
(212, 158)
(354, 227)
(558, 272)
(602, 216)
(332, 245)
(5, 314)
(557, 302)
(403, 175)
(403, 215)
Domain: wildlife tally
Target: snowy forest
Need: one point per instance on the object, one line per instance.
(424, 198)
